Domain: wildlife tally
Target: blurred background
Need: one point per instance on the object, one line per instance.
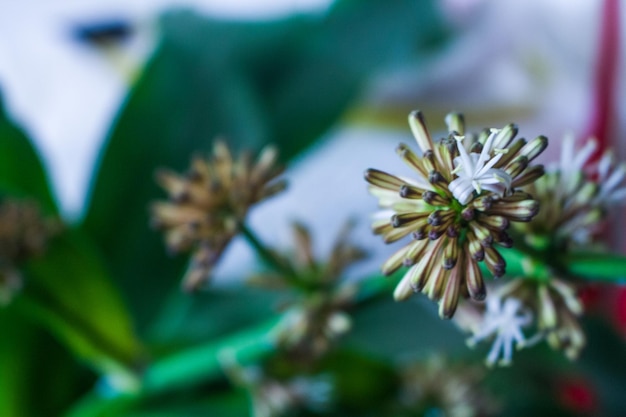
(109, 91)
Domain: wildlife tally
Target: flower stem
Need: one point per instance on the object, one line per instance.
(266, 255)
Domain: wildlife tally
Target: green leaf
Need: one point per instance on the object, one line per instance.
(21, 170)
(285, 82)
(28, 355)
(198, 318)
(69, 292)
(227, 404)
(16, 351)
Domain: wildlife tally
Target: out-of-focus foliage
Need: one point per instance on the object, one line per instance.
(101, 328)
(283, 82)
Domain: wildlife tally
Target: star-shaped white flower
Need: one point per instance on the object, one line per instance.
(476, 172)
(611, 179)
(505, 320)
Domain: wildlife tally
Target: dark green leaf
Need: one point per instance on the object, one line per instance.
(229, 404)
(30, 359)
(21, 171)
(69, 291)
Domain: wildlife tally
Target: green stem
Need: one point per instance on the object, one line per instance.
(266, 255)
(597, 266)
(203, 363)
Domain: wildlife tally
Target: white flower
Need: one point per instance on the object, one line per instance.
(505, 321)
(475, 172)
(610, 180)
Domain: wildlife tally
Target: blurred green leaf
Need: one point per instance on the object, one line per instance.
(70, 292)
(604, 365)
(21, 170)
(27, 355)
(386, 328)
(285, 82)
(17, 347)
(361, 382)
(233, 403)
(186, 319)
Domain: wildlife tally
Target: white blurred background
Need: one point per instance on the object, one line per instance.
(531, 62)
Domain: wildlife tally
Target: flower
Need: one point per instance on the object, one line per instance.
(317, 317)
(556, 307)
(574, 197)
(503, 318)
(549, 308)
(465, 193)
(24, 234)
(476, 172)
(274, 398)
(610, 180)
(208, 205)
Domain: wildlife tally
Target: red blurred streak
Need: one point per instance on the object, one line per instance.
(605, 78)
(620, 309)
(577, 395)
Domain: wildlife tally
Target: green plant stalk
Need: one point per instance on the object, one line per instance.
(268, 257)
(597, 266)
(203, 363)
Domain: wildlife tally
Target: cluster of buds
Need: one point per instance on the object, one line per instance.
(208, 205)
(275, 397)
(318, 316)
(24, 234)
(574, 200)
(457, 208)
(437, 387)
(549, 309)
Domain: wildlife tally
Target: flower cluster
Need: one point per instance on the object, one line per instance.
(24, 233)
(437, 387)
(575, 200)
(208, 205)
(457, 207)
(549, 309)
(575, 197)
(275, 397)
(317, 317)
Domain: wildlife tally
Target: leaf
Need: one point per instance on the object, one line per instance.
(21, 170)
(232, 403)
(69, 291)
(16, 350)
(27, 354)
(198, 318)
